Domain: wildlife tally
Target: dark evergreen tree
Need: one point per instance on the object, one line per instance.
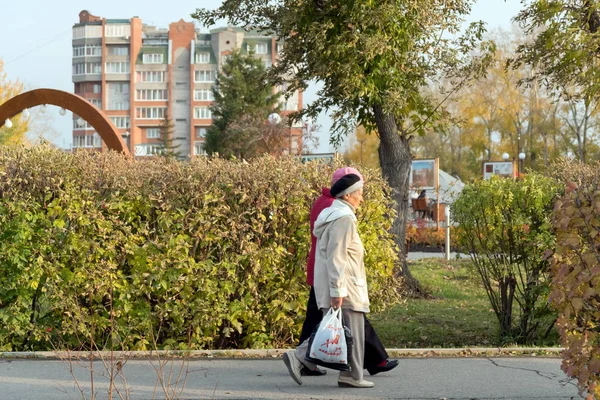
(168, 142)
(242, 93)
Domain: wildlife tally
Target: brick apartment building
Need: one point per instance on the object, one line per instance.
(138, 74)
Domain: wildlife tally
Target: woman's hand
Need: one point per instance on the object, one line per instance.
(336, 302)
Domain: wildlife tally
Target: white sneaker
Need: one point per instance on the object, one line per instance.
(348, 381)
(293, 365)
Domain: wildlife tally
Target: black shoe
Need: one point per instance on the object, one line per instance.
(304, 371)
(389, 365)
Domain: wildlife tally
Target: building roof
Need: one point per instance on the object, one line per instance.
(118, 21)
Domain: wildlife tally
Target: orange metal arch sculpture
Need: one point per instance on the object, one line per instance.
(77, 104)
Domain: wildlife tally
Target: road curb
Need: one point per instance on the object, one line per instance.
(274, 353)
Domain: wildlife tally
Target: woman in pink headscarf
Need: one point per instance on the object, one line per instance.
(375, 357)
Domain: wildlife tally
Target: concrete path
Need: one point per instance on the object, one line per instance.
(415, 378)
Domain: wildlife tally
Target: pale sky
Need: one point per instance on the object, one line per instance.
(35, 41)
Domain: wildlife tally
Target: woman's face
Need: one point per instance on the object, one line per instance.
(355, 198)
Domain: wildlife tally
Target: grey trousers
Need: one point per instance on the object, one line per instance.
(356, 322)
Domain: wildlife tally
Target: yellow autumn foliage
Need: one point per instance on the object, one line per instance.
(9, 89)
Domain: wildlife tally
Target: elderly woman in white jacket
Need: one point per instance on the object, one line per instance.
(340, 278)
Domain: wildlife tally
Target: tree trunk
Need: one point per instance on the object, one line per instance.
(396, 162)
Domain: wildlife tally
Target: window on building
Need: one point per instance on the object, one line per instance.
(118, 50)
(268, 63)
(149, 150)
(225, 58)
(93, 140)
(87, 68)
(117, 30)
(118, 87)
(290, 105)
(155, 150)
(150, 76)
(79, 69)
(120, 122)
(80, 123)
(258, 48)
(117, 67)
(152, 58)
(202, 113)
(201, 132)
(87, 50)
(205, 76)
(152, 94)
(78, 33)
(96, 88)
(150, 112)
(203, 95)
(199, 149)
(87, 31)
(118, 105)
(203, 58)
(96, 102)
(262, 48)
(279, 47)
(152, 133)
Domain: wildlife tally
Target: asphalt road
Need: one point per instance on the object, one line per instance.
(415, 378)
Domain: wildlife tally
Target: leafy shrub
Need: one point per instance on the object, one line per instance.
(575, 290)
(505, 225)
(100, 250)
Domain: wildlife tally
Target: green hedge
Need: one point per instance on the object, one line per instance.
(103, 251)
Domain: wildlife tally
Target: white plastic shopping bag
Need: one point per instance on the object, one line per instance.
(330, 343)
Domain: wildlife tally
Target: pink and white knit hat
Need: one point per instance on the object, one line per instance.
(344, 171)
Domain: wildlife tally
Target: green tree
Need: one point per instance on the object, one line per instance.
(8, 90)
(167, 130)
(243, 101)
(373, 60)
(564, 54)
(506, 226)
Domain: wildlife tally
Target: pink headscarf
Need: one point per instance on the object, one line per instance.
(344, 171)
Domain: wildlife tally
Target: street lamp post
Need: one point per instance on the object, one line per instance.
(361, 149)
(521, 158)
(285, 108)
